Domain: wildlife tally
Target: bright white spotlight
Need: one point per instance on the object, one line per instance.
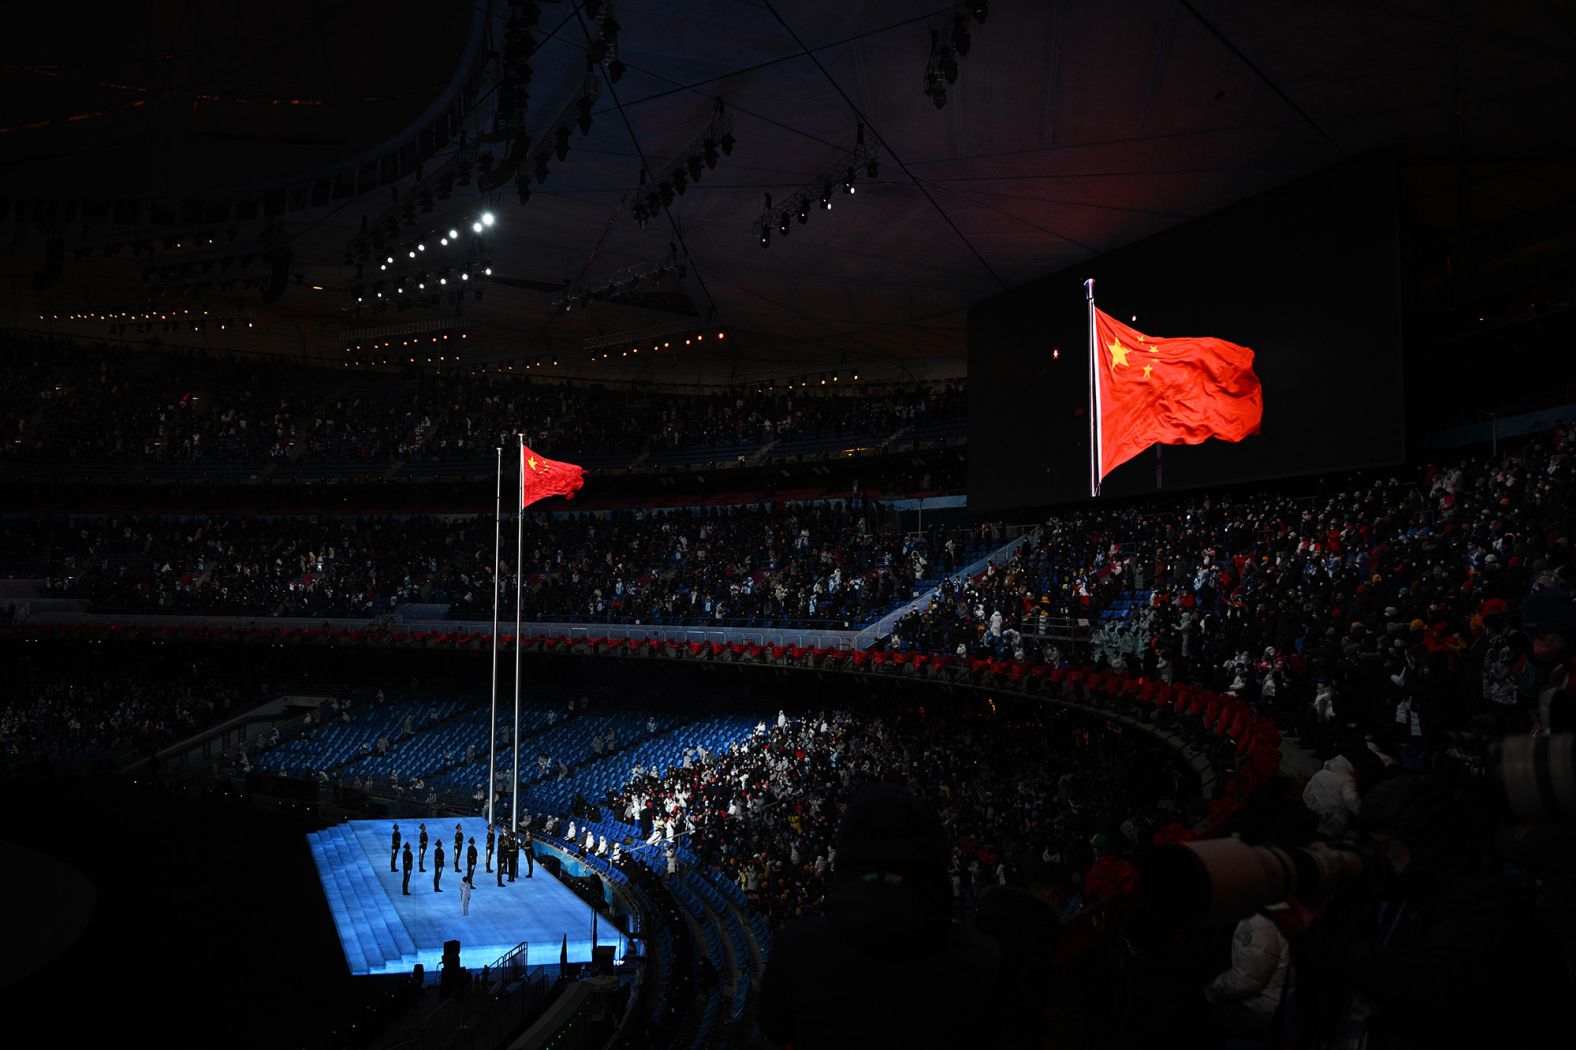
(421, 247)
(488, 271)
(487, 218)
(476, 227)
(454, 235)
(412, 255)
(465, 276)
(443, 241)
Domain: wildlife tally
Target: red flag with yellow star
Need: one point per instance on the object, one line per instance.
(1154, 390)
(541, 477)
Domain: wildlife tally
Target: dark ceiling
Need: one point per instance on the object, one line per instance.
(1073, 128)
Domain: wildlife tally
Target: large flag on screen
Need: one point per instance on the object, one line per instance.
(1155, 390)
(541, 477)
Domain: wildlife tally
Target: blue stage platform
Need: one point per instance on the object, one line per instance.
(383, 931)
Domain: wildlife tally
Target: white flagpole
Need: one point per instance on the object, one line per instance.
(492, 745)
(1094, 397)
(519, 551)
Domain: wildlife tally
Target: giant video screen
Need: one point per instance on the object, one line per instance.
(1306, 276)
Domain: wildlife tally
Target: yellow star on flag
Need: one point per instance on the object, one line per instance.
(1118, 353)
(531, 462)
(1148, 369)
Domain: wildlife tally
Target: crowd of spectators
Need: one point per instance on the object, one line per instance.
(840, 563)
(94, 716)
(1408, 605)
(59, 401)
(1025, 794)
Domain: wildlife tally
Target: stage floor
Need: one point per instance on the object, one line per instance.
(383, 931)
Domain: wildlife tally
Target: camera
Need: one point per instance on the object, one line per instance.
(1536, 776)
(1224, 880)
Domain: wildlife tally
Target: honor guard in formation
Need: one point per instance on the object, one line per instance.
(459, 845)
(437, 867)
(491, 836)
(470, 859)
(530, 856)
(394, 850)
(421, 853)
(410, 862)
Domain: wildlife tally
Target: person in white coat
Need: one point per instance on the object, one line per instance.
(465, 895)
(1244, 998)
(1333, 795)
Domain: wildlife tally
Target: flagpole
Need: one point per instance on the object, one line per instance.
(492, 743)
(519, 551)
(1094, 397)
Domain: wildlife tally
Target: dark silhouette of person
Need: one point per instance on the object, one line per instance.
(1450, 955)
(530, 858)
(470, 859)
(514, 858)
(853, 975)
(504, 844)
(437, 867)
(421, 856)
(491, 836)
(410, 862)
(459, 845)
(394, 850)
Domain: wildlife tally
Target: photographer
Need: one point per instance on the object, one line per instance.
(1439, 951)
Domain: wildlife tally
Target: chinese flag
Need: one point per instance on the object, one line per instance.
(542, 477)
(1170, 391)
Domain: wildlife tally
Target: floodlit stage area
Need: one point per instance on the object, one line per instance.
(383, 931)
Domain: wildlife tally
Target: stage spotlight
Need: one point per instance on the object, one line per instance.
(803, 212)
(454, 235)
(980, 10)
(766, 236)
(826, 196)
(783, 226)
(848, 181)
(487, 218)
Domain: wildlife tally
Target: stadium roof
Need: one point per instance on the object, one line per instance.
(1072, 128)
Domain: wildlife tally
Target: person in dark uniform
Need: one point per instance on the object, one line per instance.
(491, 835)
(459, 845)
(437, 866)
(530, 859)
(410, 862)
(504, 841)
(394, 850)
(470, 859)
(514, 856)
(421, 855)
